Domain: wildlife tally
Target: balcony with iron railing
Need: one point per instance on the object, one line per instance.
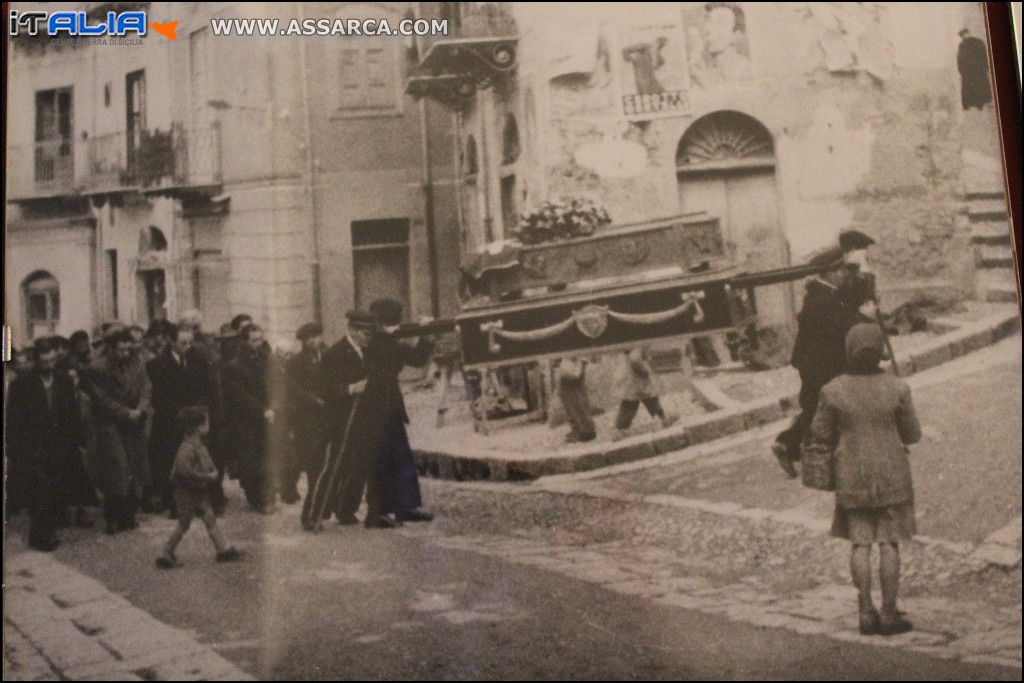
(150, 161)
(479, 48)
(473, 21)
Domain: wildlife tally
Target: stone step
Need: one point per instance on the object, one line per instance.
(1002, 295)
(988, 262)
(993, 252)
(984, 193)
(997, 278)
(987, 206)
(991, 232)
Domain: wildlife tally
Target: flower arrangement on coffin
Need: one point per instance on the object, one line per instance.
(562, 220)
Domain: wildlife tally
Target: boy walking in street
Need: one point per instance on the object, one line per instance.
(191, 474)
(639, 388)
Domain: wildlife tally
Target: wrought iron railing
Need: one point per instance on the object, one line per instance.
(152, 159)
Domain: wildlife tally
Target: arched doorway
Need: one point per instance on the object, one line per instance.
(725, 165)
(40, 293)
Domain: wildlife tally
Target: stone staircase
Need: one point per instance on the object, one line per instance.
(992, 241)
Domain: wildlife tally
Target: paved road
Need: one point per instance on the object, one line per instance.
(593, 577)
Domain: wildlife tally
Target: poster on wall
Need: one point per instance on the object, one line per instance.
(652, 70)
(717, 48)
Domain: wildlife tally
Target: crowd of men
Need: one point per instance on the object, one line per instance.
(94, 423)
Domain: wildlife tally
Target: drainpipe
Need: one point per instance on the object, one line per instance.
(428, 207)
(485, 110)
(310, 173)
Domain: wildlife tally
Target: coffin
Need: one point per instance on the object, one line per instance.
(687, 242)
(600, 316)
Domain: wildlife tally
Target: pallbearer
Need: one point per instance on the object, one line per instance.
(344, 373)
(386, 357)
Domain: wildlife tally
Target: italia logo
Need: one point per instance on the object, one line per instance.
(79, 24)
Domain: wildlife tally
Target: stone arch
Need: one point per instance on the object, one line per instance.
(722, 139)
(725, 166)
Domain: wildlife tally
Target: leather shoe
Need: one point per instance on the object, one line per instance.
(347, 520)
(414, 516)
(46, 546)
(785, 462)
(379, 523)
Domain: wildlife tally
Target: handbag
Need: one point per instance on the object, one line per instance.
(817, 466)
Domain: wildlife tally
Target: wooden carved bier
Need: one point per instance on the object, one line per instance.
(631, 287)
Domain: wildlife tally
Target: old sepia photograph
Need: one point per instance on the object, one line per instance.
(511, 341)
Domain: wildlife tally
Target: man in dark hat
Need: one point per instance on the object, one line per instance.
(344, 373)
(383, 462)
(819, 352)
(307, 395)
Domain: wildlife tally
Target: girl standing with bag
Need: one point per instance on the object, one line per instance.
(866, 419)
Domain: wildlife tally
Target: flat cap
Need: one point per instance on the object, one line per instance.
(851, 240)
(308, 331)
(828, 259)
(227, 332)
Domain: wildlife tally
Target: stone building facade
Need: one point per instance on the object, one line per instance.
(283, 177)
(788, 121)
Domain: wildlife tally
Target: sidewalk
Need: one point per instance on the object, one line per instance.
(531, 451)
(62, 625)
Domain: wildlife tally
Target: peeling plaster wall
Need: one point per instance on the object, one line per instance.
(862, 103)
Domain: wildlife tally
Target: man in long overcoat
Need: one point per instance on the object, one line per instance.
(307, 396)
(181, 377)
(248, 416)
(121, 393)
(381, 459)
(819, 352)
(344, 373)
(41, 441)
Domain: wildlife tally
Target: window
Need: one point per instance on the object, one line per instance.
(510, 141)
(54, 161)
(199, 51)
(369, 69)
(380, 259)
(41, 296)
(135, 110)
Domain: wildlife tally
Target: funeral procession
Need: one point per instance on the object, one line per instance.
(508, 340)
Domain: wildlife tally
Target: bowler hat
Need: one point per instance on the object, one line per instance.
(387, 311)
(360, 319)
(308, 331)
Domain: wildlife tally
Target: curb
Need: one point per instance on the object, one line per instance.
(463, 465)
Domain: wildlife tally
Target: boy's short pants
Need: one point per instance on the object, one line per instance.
(191, 501)
(629, 407)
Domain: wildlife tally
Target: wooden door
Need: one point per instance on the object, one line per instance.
(746, 203)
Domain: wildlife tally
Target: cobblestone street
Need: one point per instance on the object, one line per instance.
(699, 563)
